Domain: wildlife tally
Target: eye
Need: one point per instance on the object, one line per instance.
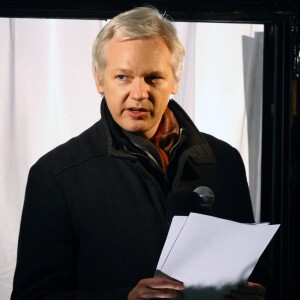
(153, 79)
(122, 77)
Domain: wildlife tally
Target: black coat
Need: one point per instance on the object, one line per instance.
(95, 217)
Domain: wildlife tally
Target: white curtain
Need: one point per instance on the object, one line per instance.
(47, 95)
(228, 91)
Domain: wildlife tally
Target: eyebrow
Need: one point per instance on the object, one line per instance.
(152, 73)
(156, 73)
(122, 71)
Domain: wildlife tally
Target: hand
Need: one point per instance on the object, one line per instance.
(248, 291)
(156, 288)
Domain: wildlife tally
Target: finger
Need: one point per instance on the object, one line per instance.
(252, 288)
(162, 283)
(161, 294)
(157, 288)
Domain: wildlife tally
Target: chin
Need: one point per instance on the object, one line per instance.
(134, 127)
(135, 130)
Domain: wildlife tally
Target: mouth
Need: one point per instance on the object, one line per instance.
(137, 112)
(137, 109)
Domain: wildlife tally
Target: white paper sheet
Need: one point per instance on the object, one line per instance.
(174, 231)
(208, 252)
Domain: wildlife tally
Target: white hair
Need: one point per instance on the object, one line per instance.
(139, 23)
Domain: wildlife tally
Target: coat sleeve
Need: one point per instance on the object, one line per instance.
(48, 248)
(243, 211)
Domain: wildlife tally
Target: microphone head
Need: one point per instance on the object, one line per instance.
(182, 201)
(206, 194)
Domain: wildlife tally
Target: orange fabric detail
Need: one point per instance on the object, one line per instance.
(165, 137)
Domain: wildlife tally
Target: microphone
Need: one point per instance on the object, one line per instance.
(182, 201)
(207, 197)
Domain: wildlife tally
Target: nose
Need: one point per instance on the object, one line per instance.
(139, 89)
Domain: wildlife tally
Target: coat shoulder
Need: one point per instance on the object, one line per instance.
(88, 145)
(220, 148)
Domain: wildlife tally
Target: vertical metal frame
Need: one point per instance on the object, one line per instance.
(280, 153)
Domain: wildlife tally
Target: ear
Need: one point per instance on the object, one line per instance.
(175, 87)
(98, 82)
(176, 82)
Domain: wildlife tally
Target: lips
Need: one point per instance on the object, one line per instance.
(138, 109)
(137, 112)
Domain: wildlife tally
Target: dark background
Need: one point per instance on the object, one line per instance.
(281, 105)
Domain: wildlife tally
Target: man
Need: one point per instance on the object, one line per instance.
(95, 216)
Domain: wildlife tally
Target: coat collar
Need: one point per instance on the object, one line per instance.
(199, 149)
(197, 146)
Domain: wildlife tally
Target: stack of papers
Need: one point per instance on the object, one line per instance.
(212, 254)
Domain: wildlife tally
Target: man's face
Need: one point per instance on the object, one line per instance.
(137, 83)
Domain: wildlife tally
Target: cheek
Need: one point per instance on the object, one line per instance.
(164, 103)
(158, 113)
(113, 94)
(112, 104)
(116, 93)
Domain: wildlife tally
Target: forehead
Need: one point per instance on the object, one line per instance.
(142, 52)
